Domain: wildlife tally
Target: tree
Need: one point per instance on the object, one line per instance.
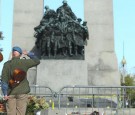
(129, 80)
(130, 92)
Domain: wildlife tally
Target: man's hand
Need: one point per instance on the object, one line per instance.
(25, 52)
(6, 97)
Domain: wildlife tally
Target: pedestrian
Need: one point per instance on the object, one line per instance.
(15, 85)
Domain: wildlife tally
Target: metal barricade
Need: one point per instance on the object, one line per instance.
(43, 91)
(85, 100)
(97, 99)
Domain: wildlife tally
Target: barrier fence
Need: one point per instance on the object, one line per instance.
(89, 99)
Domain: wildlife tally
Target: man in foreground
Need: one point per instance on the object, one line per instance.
(15, 85)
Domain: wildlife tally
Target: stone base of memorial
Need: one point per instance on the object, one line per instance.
(60, 73)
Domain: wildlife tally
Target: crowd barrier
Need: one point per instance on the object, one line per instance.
(105, 100)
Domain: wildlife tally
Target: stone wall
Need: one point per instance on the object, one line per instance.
(27, 15)
(100, 54)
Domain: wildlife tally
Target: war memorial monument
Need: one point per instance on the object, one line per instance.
(72, 51)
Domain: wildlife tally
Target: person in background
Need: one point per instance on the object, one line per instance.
(17, 95)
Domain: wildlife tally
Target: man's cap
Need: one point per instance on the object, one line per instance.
(18, 49)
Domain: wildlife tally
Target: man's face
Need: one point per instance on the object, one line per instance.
(16, 54)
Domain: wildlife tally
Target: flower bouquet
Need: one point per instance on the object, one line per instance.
(36, 104)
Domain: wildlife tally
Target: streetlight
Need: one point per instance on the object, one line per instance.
(123, 63)
(123, 73)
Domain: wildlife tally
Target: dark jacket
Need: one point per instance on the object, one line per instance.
(10, 66)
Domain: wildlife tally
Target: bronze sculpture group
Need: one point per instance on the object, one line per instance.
(60, 33)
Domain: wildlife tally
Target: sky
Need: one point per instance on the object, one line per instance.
(6, 19)
(124, 27)
(124, 31)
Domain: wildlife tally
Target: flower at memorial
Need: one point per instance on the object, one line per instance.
(36, 104)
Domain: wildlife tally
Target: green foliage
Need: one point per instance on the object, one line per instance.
(129, 81)
(130, 92)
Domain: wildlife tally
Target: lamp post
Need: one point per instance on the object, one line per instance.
(123, 63)
(123, 73)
